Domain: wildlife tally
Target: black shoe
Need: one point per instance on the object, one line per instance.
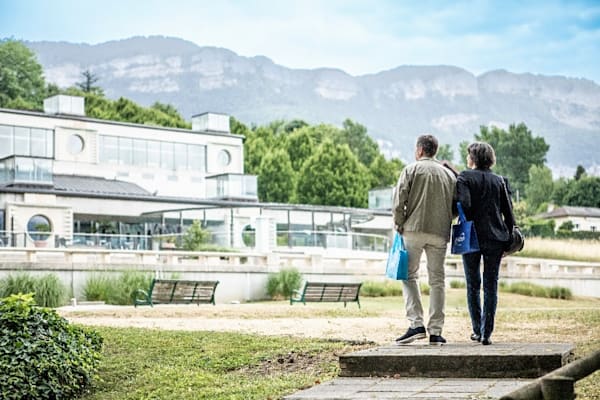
(411, 335)
(437, 340)
(486, 341)
(475, 337)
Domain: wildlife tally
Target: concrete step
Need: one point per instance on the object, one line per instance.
(409, 388)
(458, 360)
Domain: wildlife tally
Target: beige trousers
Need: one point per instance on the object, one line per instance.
(435, 251)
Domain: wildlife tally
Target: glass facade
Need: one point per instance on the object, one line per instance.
(26, 141)
(227, 186)
(26, 170)
(381, 199)
(152, 153)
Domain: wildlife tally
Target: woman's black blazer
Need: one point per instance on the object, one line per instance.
(482, 196)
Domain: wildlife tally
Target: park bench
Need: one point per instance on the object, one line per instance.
(327, 291)
(176, 291)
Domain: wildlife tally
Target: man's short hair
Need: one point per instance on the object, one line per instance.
(429, 144)
(482, 154)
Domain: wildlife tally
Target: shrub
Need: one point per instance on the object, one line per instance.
(381, 289)
(195, 237)
(284, 283)
(126, 284)
(42, 356)
(116, 290)
(20, 282)
(455, 284)
(97, 288)
(531, 289)
(557, 292)
(48, 291)
(425, 289)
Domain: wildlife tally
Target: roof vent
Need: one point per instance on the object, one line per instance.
(211, 122)
(63, 104)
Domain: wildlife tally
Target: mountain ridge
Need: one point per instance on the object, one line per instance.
(395, 105)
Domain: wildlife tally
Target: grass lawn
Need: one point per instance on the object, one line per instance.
(168, 364)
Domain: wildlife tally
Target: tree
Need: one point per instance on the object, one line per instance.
(462, 146)
(333, 176)
(579, 172)
(584, 192)
(276, 179)
(361, 144)
(238, 127)
(300, 145)
(516, 151)
(87, 85)
(195, 237)
(539, 186)
(445, 153)
(294, 125)
(384, 173)
(561, 188)
(21, 76)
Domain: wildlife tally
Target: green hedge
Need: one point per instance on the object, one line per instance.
(42, 356)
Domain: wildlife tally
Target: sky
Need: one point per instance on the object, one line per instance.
(360, 37)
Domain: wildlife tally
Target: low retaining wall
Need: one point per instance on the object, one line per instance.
(243, 276)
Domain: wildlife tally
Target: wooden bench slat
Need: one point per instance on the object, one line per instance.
(328, 291)
(177, 291)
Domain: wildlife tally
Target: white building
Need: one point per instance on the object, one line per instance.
(583, 218)
(66, 179)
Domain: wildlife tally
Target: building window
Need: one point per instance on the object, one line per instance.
(6, 141)
(39, 227)
(125, 151)
(197, 157)
(75, 144)
(224, 158)
(109, 149)
(152, 153)
(25, 141)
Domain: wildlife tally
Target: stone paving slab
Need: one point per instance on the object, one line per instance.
(409, 388)
(458, 360)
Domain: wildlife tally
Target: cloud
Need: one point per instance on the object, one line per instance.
(548, 37)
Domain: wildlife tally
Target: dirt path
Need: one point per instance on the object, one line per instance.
(259, 319)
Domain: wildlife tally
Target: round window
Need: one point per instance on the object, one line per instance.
(39, 227)
(249, 236)
(75, 144)
(224, 158)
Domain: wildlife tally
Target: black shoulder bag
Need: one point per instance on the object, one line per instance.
(517, 240)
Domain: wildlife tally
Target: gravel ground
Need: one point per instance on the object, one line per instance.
(280, 319)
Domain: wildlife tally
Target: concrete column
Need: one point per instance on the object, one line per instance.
(265, 233)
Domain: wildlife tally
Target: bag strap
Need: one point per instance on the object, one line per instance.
(461, 213)
(402, 247)
(508, 201)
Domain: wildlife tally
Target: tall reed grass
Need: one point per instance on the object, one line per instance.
(531, 289)
(117, 289)
(48, 290)
(381, 289)
(562, 249)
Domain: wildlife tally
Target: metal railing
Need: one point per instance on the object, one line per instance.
(333, 240)
(171, 241)
(558, 384)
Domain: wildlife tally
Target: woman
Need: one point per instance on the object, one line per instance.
(484, 197)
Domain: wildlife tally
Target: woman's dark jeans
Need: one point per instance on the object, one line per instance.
(483, 321)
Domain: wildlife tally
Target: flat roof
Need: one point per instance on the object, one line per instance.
(110, 122)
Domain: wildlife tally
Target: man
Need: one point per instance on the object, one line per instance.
(422, 213)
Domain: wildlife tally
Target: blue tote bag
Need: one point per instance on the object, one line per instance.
(464, 237)
(397, 263)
